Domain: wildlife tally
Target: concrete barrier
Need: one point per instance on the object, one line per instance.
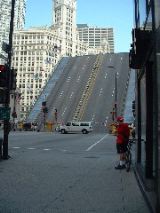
(49, 126)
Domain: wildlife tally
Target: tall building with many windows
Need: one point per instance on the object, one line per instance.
(20, 10)
(35, 55)
(5, 16)
(64, 20)
(98, 39)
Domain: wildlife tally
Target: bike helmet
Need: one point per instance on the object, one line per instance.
(120, 119)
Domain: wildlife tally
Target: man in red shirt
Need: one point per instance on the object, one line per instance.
(123, 134)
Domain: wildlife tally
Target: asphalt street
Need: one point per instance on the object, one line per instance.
(70, 173)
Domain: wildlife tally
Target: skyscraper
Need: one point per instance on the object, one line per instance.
(19, 20)
(64, 20)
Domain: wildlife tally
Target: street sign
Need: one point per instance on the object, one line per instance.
(4, 113)
(5, 47)
(3, 57)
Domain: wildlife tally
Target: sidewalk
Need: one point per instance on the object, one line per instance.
(129, 196)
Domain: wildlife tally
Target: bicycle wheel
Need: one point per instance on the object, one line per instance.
(128, 160)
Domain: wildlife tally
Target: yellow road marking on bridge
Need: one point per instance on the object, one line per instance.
(88, 89)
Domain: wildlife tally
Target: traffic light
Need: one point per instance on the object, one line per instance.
(3, 76)
(44, 107)
(141, 43)
(44, 103)
(13, 79)
(14, 114)
(5, 47)
(45, 110)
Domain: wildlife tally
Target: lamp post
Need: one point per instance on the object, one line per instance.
(115, 94)
(7, 99)
(115, 100)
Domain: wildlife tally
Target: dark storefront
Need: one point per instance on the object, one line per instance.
(157, 26)
(145, 58)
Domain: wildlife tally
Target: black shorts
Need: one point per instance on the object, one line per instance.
(121, 148)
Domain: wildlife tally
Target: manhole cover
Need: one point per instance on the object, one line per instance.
(91, 157)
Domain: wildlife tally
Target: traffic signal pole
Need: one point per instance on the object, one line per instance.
(115, 101)
(7, 98)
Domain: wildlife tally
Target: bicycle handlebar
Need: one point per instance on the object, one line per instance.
(132, 140)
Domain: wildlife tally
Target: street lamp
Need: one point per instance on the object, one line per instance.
(115, 95)
(115, 100)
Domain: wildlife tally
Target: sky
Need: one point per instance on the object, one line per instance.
(100, 13)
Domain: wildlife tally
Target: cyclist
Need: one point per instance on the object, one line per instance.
(123, 133)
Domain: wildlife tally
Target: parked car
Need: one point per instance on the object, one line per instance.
(76, 126)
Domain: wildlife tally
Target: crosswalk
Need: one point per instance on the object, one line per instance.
(34, 148)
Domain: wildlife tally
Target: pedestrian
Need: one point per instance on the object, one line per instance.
(123, 133)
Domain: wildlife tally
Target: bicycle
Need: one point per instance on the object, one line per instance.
(128, 157)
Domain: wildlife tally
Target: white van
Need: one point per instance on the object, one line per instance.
(76, 126)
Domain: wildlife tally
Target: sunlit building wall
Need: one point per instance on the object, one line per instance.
(64, 20)
(98, 39)
(35, 56)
